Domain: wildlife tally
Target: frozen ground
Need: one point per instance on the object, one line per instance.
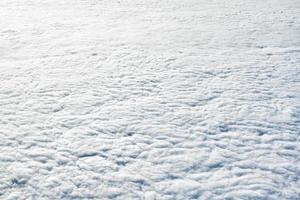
(153, 99)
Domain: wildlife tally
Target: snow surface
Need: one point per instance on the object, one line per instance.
(152, 99)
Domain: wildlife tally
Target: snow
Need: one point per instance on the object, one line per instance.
(132, 99)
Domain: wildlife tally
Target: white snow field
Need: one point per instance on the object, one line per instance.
(150, 99)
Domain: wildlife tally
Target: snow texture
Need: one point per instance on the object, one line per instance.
(150, 99)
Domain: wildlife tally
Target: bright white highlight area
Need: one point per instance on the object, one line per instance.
(150, 99)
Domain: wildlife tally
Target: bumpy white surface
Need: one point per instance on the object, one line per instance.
(153, 99)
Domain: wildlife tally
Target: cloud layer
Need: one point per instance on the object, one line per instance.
(149, 99)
